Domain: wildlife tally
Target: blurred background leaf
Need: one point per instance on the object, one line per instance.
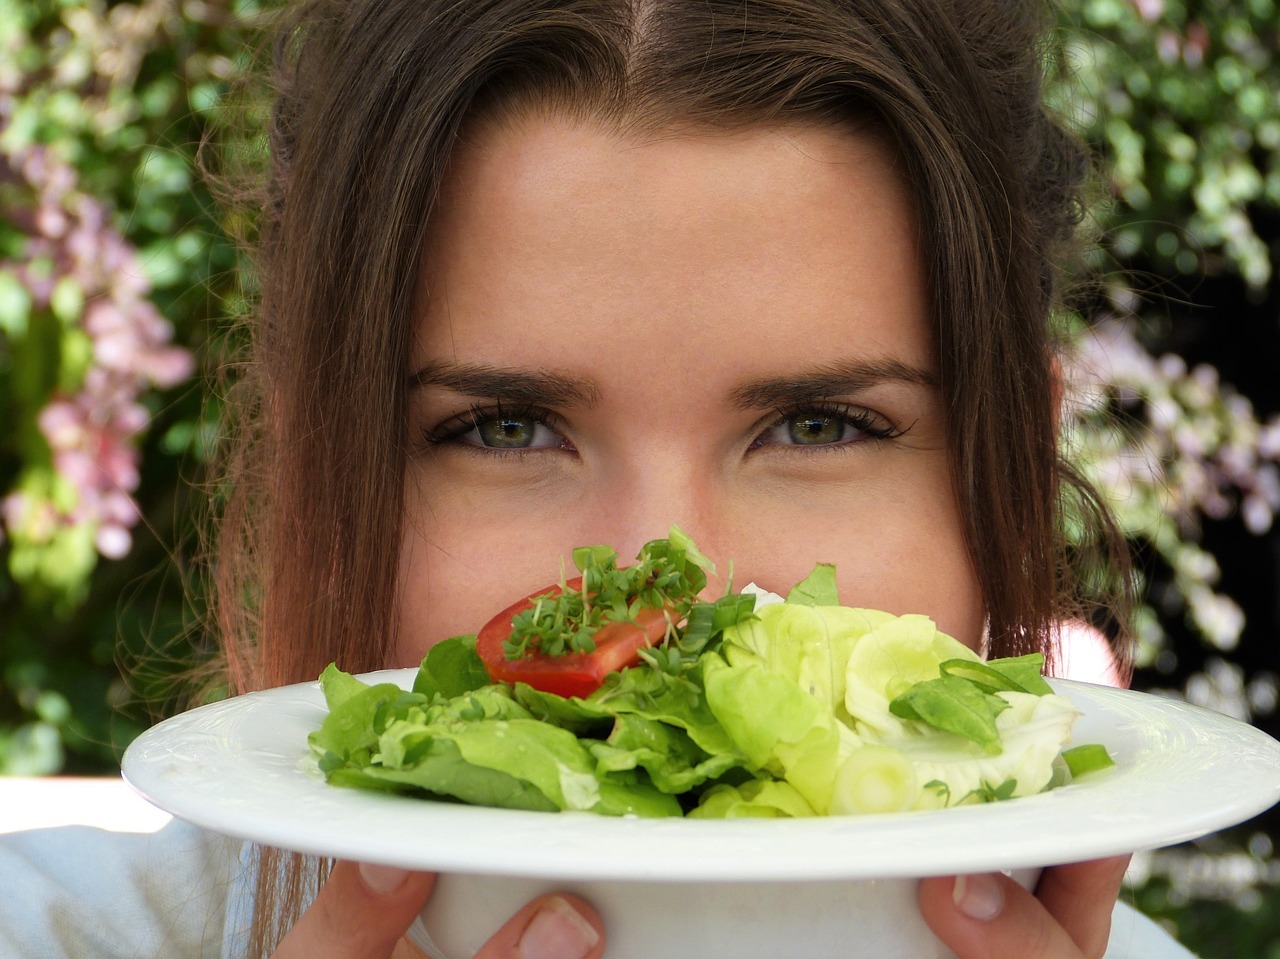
(1177, 412)
(115, 273)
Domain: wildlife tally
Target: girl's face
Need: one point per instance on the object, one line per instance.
(724, 331)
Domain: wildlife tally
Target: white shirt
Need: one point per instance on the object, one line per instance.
(88, 871)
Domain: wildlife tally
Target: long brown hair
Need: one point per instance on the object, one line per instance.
(371, 97)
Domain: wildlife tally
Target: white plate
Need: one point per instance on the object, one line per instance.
(241, 767)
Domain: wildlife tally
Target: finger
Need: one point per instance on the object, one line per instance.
(550, 927)
(1080, 896)
(360, 913)
(989, 916)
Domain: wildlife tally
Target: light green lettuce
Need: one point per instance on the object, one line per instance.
(756, 798)
(863, 712)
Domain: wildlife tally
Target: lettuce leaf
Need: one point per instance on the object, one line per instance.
(801, 707)
(861, 711)
(480, 747)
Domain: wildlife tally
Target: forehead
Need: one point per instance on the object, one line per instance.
(545, 220)
(531, 160)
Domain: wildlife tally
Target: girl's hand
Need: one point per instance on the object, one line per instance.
(989, 916)
(364, 911)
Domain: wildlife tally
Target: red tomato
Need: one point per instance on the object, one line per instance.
(618, 645)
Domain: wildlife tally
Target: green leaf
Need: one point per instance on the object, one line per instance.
(450, 668)
(76, 358)
(161, 264)
(816, 589)
(1026, 671)
(678, 701)
(681, 540)
(1018, 674)
(351, 728)
(598, 557)
(980, 675)
(339, 686)
(777, 726)
(204, 97)
(756, 798)
(673, 762)
(510, 755)
(164, 171)
(941, 788)
(705, 620)
(582, 716)
(67, 300)
(441, 769)
(954, 705)
(988, 793)
(15, 306)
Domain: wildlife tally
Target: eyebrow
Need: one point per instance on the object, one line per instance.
(531, 387)
(834, 380)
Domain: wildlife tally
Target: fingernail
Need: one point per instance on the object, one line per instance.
(978, 897)
(557, 931)
(382, 880)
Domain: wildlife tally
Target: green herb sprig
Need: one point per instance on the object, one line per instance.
(667, 574)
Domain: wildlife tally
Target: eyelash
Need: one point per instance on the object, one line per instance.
(456, 427)
(452, 430)
(861, 419)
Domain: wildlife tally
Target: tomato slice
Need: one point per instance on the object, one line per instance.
(618, 645)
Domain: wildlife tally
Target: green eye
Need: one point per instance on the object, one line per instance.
(815, 429)
(499, 430)
(816, 425)
(507, 432)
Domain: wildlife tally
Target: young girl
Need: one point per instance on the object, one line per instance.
(546, 273)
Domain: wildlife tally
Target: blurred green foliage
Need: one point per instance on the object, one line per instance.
(114, 266)
(116, 273)
(1181, 100)
(1184, 97)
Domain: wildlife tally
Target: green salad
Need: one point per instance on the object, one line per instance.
(621, 692)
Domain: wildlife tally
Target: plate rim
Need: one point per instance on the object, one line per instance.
(157, 765)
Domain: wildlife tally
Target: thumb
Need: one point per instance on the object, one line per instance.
(361, 913)
(991, 916)
(986, 916)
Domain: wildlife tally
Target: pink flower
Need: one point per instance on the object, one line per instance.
(1149, 10)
